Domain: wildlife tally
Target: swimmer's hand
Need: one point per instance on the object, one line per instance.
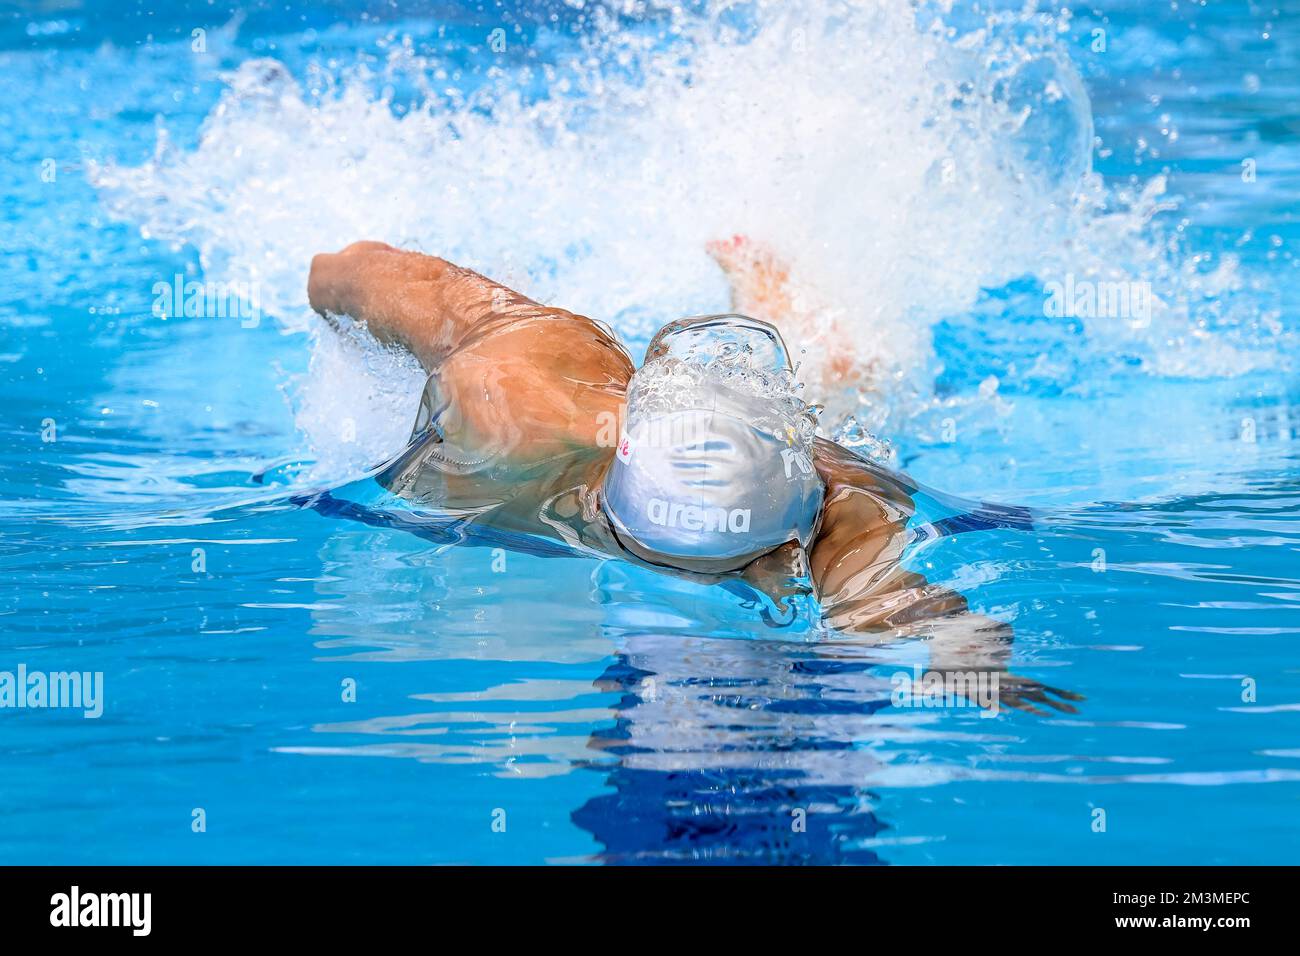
(977, 646)
(1012, 690)
(1021, 693)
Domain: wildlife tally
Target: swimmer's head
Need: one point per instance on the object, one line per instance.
(714, 465)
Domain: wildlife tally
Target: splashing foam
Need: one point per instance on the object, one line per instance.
(899, 167)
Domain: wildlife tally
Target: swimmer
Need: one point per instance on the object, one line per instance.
(702, 463)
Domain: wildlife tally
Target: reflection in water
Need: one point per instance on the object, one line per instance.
(740, 749)
(511, 727)
(710, 736)
(722, 759)
(717, 737)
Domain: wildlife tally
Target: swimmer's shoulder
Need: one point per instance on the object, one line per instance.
(862, 530)
(840, 466)
(848, 475)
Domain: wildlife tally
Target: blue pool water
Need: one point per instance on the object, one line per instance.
(524, 708)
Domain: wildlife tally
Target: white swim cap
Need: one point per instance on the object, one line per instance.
(714, 466)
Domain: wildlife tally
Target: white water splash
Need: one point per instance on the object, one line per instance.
(899, 165)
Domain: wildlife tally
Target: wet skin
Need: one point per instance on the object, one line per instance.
(524, 397)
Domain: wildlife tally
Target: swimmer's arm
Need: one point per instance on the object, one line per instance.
(854, 560)
(901, 605)
(422, 303)
(863, 589)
